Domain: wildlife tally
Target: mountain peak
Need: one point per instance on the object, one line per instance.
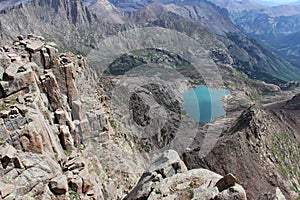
(106, 11)
(237, 5)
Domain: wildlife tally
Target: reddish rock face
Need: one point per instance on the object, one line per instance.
(251, 149)
(59, 185)
(37, 97)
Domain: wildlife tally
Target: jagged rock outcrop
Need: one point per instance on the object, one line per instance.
(61, 21)
(41, 134)
(293, 104)
(168, 178)
(262, 148)
(105, 10)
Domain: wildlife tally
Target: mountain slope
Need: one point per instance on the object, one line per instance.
(274, 27)
(106, 11)
(277, 33)
(10, 3)
(262, 63)
(41, 144)
(130, 5)
(237, 5)
(67, 22)
(263, 145)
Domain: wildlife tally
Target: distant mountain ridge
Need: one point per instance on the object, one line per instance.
(9, 3)
(192, 10)
(238, 5)
(277, 28)
(249, 56)
(295, 3)
(278, 33)
(274, 4)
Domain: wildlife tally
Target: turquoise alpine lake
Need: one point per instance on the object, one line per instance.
(204, 104)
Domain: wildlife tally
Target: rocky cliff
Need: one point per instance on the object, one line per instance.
(168, 177)
(43, 123)
(262, 148)
(275, 27)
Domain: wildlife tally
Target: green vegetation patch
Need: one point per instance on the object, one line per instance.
(286, 149)
(68, 152)
(136, 58)
(73, 194)
(7, 103)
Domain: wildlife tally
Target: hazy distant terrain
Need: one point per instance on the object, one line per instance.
(276, 27)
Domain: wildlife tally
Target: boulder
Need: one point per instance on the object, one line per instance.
(15, 57)
(86, 181)
(31, 138)
(52, 44)
(77, 110)
(168, 178)
(64, 118)
(279, 195)
(11, 70)
(84, 129)
(4, 87)
(7, 155)
(226, 182)
(69, 175)
(74, 163)
(31, 66)
(46, 61)
(65, 136)
(59, 185)
(31, 36)
(25, 57)
(60, 115)
(235, 192)
(18, 163)
(66, 82)
(50, 87)
(8, 151)
(37, 58)
(274, 194)
(4, 61)
(6, 189)
(2, 70)
(52, 51)
(76, 184)
(4, 113)
(21, 81)
(20, 37)
(168, 164)
(96, 120)
(35, 45)
(14, 111)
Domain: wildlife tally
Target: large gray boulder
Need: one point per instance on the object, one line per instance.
(6, 189)
(12, 70)
(168, 178)
(59, 185)
(35, 45)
